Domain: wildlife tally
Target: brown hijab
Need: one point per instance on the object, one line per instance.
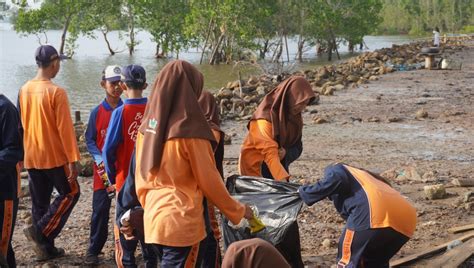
(253, 253)
(172, 112)
(283, 106)
(209, 108)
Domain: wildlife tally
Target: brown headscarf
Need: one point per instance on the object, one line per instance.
(254, 252)
(211, 112)
(276, 107)
(172, 112)
(209, 108)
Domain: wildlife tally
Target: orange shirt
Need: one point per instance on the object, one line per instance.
(387, 207)
(259, 146)
(173, 200)
(49, 138)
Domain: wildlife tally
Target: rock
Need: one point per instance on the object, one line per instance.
(327, 243)
(352, 78)
(236, 84)
(373, 78)
(393, 119)
(261, 91)
(339, 87)
(86, 165)
(313, 111)
(421, 114)
(329, 91)
(227, 140)
(463, 182)
(409, 173)
(252, 80)
(373, 119)
(319, 120)
(468, 196)
(469, 206)
(435, 191)
(430, 176)
(225, 93)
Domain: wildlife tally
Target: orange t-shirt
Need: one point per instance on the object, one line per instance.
(173, 199)
(49, 139)
(259, 146)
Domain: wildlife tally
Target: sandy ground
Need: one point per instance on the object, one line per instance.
(439, 147)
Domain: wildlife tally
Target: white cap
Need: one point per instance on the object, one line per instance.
(112, 73)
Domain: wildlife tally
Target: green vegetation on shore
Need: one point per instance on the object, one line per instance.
(228, 30)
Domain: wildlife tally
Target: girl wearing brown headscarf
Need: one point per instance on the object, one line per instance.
(255, 253)
(275, 130)
(211, 252)
(175, 167)
(274, 141)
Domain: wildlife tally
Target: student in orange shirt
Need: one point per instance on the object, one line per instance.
(275, 131)
(175, 168)
(211, 255)
(51, 153)
(274, 141)
(379, 219)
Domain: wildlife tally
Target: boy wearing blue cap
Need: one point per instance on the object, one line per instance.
(95, 137)
(51, 153)
(117, 152)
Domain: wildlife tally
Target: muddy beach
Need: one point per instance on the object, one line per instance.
(416, 127)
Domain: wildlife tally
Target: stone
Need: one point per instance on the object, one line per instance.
(227, 140)
(327, 243)
(86, 166)
(225, 93)
(469, 206)
(252, 80)
(373, 78)
(339, 87)
(435, 191)
(393, 119)
(261, 91)
(468, 196)
(329, 91)
(373, 119)
(421, 114)
(463, 182)
(319, 120)
(409, 173)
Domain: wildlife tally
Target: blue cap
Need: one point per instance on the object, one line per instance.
(46, 54)
(133, 73)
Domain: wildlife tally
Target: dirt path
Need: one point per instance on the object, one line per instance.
(439, 147)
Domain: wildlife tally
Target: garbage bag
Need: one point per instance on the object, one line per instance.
(277, 203)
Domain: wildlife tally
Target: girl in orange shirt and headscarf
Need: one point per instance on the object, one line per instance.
(175, 168)
(274, 141)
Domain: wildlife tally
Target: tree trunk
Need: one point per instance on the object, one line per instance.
(131, 30)
(63, 35)
(286, 47)
(278, 51)
(351, 47)
(207, 39)
(330, 48)
(111, 51)
(213, 59)
(299, 53)
(263, 51)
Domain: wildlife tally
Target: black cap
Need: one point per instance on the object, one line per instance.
(46, 54)
(133, 73)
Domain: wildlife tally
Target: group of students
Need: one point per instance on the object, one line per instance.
(163, 156)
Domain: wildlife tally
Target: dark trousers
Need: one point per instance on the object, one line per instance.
(128, 252)
(50, 218)
(292, 153)
(209, 252)
(178, 257)
(369, 248)
(8, 211)
(99, 221)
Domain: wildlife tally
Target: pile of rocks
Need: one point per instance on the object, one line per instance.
(239, 99)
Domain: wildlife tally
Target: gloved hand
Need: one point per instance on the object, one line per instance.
(256, 225)
(105, 180)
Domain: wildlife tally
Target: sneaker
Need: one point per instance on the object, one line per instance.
(91, 259)
(38, 247)
(51, 254)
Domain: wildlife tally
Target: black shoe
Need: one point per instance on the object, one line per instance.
(38, 247)
(91, 259)
(51, 254)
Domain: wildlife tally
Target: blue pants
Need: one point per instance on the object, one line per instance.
(178, 257)
(128, 250)
(99, 221)
(209, 252)
(8, 211)
(369, 248)
(50, 218)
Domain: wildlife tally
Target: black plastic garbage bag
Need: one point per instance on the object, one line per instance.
(278, 205)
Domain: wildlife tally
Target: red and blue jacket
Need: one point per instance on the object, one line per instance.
(95, 136)
(120, 139)
(362, 200)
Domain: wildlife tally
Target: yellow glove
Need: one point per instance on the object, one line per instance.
(256, 225)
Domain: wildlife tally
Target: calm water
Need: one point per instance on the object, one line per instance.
(81, 75)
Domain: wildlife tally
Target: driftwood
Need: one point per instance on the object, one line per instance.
(455, 256)
(461, 229)
(411, 258)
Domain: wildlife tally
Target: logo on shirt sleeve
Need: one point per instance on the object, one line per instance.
(152, 123)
